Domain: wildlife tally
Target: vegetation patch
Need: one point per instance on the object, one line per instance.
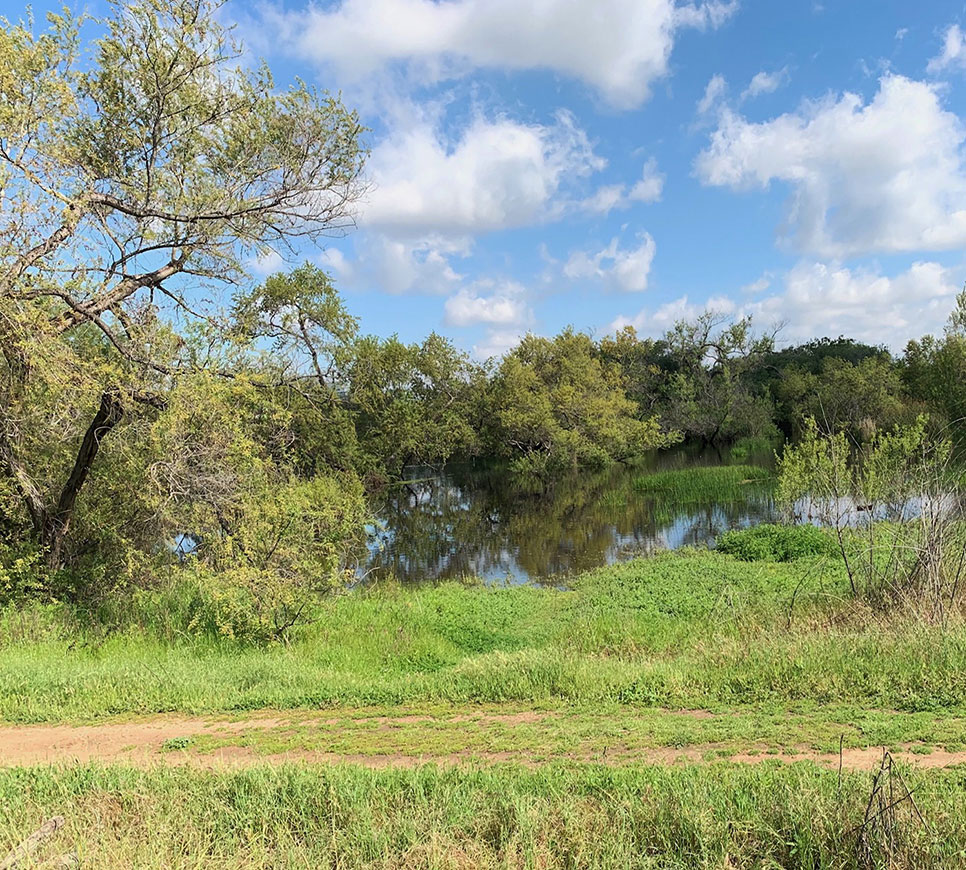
(701, 484)
(768, 814)
(776, 543)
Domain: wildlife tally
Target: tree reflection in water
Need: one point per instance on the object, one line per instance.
(488, 522)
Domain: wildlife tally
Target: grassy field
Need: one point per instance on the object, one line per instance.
(693, 630)
(608, 724)
(554, 817)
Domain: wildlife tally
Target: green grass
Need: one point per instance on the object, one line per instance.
(777, 543)
(604, 674)
(709, 483)
(688, 630)
(606, 733)
(553, 817)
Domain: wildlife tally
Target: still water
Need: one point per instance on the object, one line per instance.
(478, 521)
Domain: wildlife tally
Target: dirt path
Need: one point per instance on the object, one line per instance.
(380, 741)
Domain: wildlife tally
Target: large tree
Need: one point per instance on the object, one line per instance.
(139, 172)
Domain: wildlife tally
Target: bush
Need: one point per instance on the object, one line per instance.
(774, 543)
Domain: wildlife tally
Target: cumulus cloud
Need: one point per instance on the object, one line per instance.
(953, 54)
(496, 174)
(489, 302)
(394, 265)
(764, 83)
(609, 197)
(883, 176)
(830, 299)
(618, 47)
(624, 269)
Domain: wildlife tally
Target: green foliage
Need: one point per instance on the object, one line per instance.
(776, 543)
(555, 405)
(895, 508)
(412, 404)
(855, 399)
(751, 444)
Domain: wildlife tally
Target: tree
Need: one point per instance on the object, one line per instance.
(555, 404)
(855, 399)
(413, 404)
(934, 369)
(131, 192)
(709, 394)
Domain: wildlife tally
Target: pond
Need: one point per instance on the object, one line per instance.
(485, 521)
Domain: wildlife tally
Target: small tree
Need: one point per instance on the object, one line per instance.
(895, 505)
(556, 404)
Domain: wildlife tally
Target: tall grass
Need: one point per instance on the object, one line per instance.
(587, 817)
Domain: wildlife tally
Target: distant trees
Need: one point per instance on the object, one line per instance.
(555, 404)
(934, 370)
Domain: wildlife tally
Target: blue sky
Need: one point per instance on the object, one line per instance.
(538, 163)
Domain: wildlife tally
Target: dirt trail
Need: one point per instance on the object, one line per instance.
(171, 739)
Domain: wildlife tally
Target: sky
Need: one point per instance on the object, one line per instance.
(542, 163)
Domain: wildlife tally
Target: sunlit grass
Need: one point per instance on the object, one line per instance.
(694, 629)
(504, 816)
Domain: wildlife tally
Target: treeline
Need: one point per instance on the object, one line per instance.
(150, 391)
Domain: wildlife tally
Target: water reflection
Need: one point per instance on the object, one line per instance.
(486, 522)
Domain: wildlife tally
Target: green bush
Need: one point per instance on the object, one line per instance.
(774, 543)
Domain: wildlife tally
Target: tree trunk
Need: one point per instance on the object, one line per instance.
(56, 523)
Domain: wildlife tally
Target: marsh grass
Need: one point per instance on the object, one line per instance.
(767, 815)
(715, 483)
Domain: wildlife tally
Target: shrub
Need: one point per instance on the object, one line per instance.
(774, 543)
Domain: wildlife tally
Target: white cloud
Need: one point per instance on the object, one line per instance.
(713, 93)
(651, 185)
(497, 174)
(609, 197)
(764, 83)
(822, 299)
(618, 47)
(626, 270)
(394, 265)
(828, 299)
(655, 323)
(497, 304)
(953, 53)
(704, 15)
(759, 286)
(606, 199)
(885, 176)
(497, 343)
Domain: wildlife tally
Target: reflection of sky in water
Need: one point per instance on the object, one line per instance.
(485, 523)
